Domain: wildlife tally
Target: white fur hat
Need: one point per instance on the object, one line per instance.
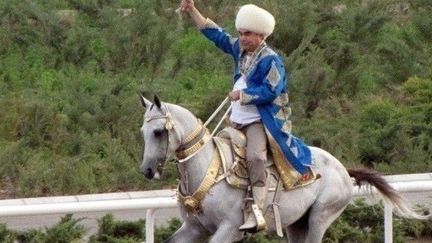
(253, 18)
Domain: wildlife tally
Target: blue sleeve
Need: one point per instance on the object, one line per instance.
(272, 85)
(217, 35)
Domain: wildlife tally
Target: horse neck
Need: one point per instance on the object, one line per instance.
(193, 170)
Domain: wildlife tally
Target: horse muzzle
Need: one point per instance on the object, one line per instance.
(150, 173)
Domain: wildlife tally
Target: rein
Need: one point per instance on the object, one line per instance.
(201, 133)
(189, 147)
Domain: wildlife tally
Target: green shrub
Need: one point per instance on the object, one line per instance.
(69, 84)
(6, 236)
(423, 21)
(361, 222)
(13, 159)
(162, 233)
(419, 89)
(296, 20)
(378, 132)
(111, 230)
(313, 79)
(67, 230)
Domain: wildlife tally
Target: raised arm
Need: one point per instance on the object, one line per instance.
(189, 7)
(208, 28)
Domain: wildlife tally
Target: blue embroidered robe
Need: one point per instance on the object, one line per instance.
(266, 88)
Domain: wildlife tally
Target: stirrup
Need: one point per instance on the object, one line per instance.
(261, 223)
(255, 222)
(249, 224)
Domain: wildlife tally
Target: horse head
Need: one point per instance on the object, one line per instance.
(167, 130)
(160, 139)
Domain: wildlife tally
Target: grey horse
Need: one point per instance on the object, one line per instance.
(306, 213)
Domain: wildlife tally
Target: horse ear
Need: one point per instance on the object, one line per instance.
(157, 101)
(144, 102)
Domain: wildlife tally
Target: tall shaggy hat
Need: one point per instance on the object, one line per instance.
(253, 18)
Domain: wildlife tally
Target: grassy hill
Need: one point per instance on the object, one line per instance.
(360, 84)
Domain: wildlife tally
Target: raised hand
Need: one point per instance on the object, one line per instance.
(186, 5)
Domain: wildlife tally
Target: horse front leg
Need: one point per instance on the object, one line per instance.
(226, 233)
(188, 233)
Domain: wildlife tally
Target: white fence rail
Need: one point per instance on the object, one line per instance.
(166, 199)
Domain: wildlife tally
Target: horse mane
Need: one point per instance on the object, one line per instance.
(368, 177)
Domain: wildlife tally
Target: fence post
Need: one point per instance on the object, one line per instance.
(388, 223)
(150, 225)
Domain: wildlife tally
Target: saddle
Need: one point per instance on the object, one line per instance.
(231, 145)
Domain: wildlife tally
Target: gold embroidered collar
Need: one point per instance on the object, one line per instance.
(193, 203)
(201, 134)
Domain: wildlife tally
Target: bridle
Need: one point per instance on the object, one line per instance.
(188, 148)
(190, 145)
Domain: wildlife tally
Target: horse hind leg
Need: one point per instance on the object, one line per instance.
(297, 232)
(311, 227)
(320, 219)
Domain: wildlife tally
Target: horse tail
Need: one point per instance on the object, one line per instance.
(389, 194)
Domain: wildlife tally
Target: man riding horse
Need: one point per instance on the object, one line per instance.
(259, 98)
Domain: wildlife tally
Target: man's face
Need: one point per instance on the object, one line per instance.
(249, 40)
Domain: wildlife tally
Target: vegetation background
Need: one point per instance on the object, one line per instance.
(360, 84)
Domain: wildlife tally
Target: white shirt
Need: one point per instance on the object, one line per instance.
(243, 114)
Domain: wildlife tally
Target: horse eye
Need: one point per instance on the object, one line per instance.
(157, 133)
